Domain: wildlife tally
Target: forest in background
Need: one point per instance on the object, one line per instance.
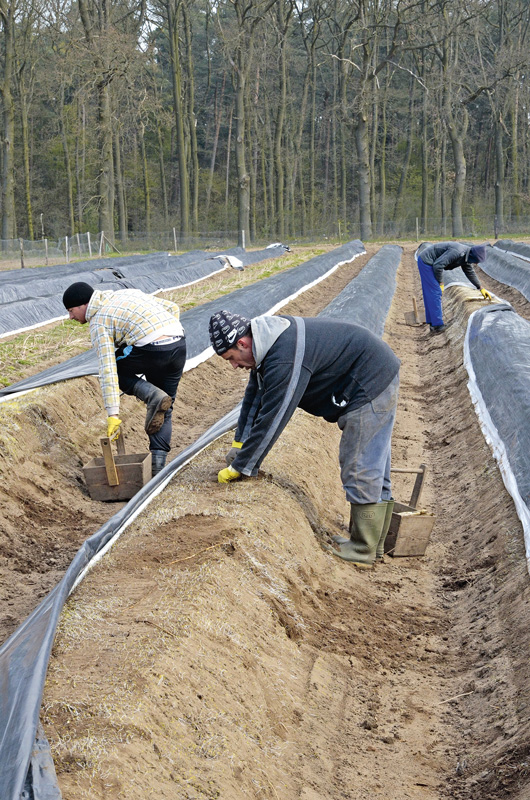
(274, 118)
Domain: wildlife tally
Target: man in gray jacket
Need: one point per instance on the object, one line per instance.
(432, 261)
(335, 370)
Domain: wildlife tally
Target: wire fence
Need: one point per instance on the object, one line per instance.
(27, 253)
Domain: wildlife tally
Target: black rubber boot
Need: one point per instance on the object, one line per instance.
(158, 461)
(157, 403)
(366, 525)
(380, 551)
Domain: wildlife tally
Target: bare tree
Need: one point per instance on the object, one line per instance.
(7, 16)
(239, 49)
(111, 28)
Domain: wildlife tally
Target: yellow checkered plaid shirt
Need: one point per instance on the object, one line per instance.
(122, 318)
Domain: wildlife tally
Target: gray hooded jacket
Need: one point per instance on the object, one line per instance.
(328, 368)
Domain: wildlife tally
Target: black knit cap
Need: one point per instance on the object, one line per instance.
(226, 329)
(77, 295)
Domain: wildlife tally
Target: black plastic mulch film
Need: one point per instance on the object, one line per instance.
(26, 769)
(195, 321)
(497, 358)
(33, 297)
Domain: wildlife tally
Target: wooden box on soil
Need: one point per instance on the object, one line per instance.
(133, 470)
(409, 531)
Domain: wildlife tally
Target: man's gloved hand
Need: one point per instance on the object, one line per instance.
(442, 287)
(486, 295)
(228, 474)
(113, 427)
(232, 453)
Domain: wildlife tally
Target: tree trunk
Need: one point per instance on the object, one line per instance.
(67, 165)
(363, 159)
(8, 165)
(27, 171)
(312, 147)
(243, 177)
(80, 162)
(457, 136)
(264, 186)
(499, 176)
(105, 180)
(217, 127)
(145, 175)
(228, 151)
(279, 128)
(173, 10)
(192, 121)
(382, 170)
(424, 159)
(443, 194)
(335, 188)
(516, 181)
(120, 190)
(162, 167)
(406, 160)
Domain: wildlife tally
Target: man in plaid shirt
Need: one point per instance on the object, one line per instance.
(134, 334)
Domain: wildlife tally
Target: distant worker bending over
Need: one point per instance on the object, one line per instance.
(433, 261)
(134, 334)
(335, 370)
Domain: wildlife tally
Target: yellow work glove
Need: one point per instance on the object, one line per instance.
(113, 427)
(442, 287)
(232, 453)
(486, 295)
(228, 474)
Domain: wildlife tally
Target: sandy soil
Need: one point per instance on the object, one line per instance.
(220, 651)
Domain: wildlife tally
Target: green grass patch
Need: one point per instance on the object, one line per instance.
(33, 351)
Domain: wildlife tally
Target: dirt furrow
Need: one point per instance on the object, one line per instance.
(47, 436)
(338, 676)
(220, 651)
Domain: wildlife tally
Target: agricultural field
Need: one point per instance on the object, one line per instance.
(218, 650)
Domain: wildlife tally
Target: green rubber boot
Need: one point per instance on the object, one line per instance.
(366, 525)
(380, 547)
(380, 551)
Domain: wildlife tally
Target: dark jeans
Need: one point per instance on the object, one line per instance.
(162, 366)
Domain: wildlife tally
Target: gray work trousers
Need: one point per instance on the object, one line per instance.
(364, 452)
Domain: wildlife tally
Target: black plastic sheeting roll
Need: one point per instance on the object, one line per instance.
(25, 762)
(509, 269)
(269, 293)
(29, 298)
(521, 249)
(497, 357)
(366, 300)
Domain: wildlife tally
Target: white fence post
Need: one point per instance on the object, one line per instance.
(46, 250)
(175, 239)
(243, 239)
(89, 244)
(101, 242)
